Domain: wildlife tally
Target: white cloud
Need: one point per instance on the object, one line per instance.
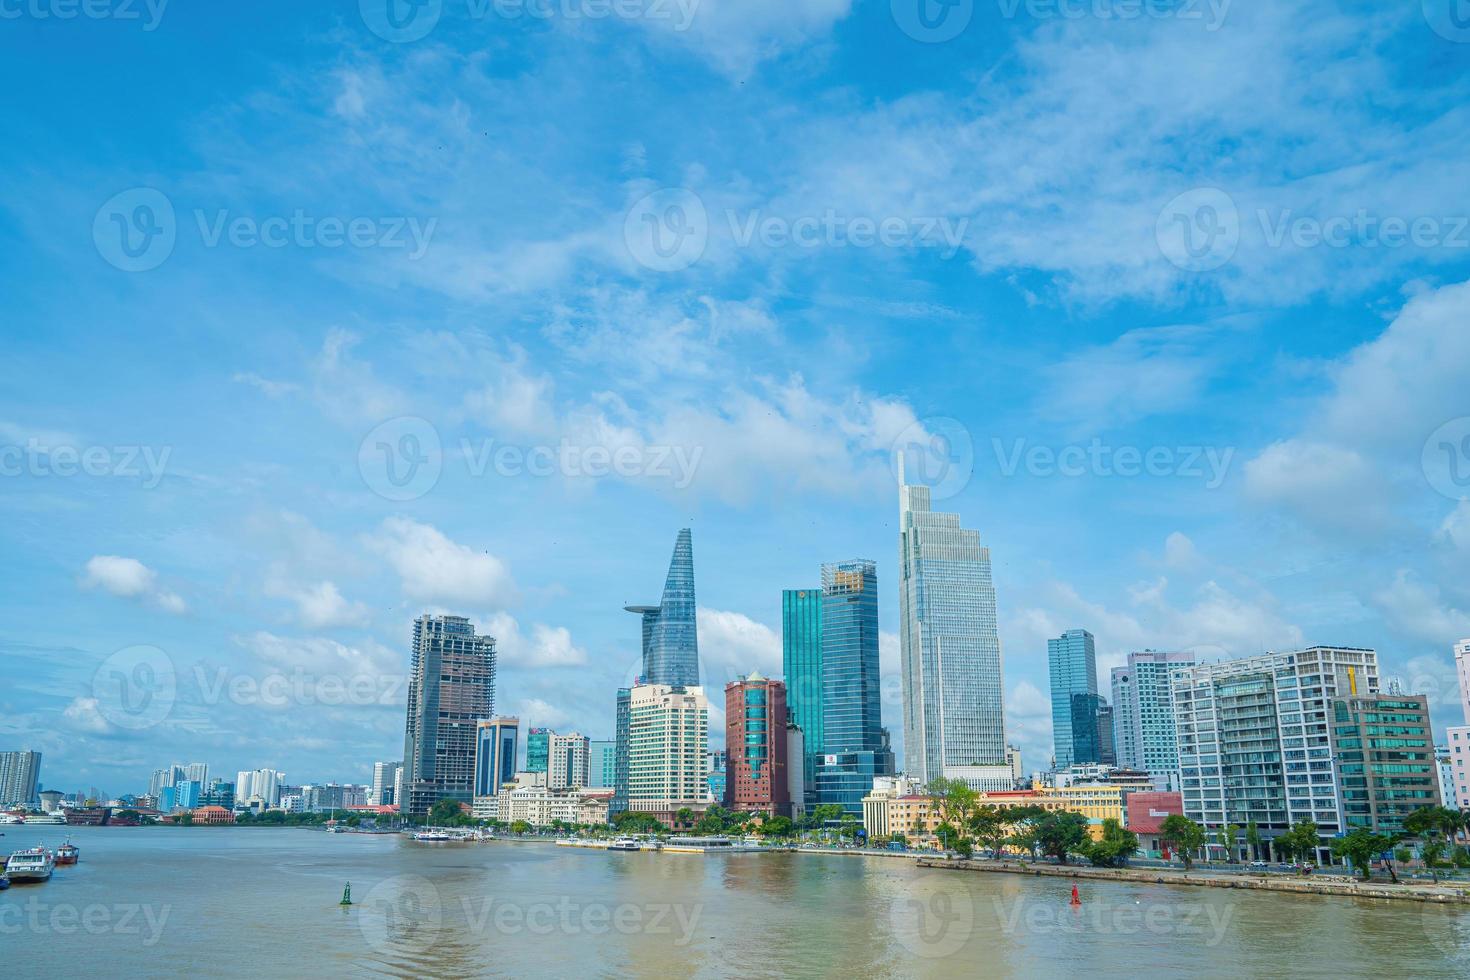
(347, 388)
(537, 713)
(82, 715)
(1420, 611)
(732, 644)
(737, 35)
(272, 389)
(129, 578)
(1456, 526)
(320, 657)
(1180, 553)
(1320, 484)
(432, 568)
(321, 606)
(547, 646)
(1142, 373)
(1028, 725)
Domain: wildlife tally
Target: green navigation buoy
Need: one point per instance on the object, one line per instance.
(346, 894)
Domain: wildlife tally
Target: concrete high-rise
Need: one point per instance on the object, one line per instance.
(451, 689)
(854, 744)
(1143, 713)
(668, 735)
(495, 753)
(755, 746)
(953, 712)
(670, 632)
(1071, 662)
(601, 763)
(20, 776)
(568, 761)
(385, 779)
(1254, 736)
(1458, 736)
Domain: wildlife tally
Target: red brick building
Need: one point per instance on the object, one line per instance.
(213, 815)
(755, 746)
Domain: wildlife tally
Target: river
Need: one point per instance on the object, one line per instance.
(165, 901)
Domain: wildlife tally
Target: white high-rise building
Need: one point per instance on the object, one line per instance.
(1458, 736)
(568, 758)
(261, 786)
(20, 775)
(668, 735)
(953, 712)
(1254, 736)
(1143, 714)
(385, 783)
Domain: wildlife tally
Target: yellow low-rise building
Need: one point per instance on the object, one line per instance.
(887, 811)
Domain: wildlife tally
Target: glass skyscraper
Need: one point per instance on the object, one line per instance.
(953, 712)
(538, 749)
(495, 754)
(854, 744)
(801, 661)
(670, 634)
(1072, 663)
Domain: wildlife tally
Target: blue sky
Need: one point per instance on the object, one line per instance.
(1172, 307)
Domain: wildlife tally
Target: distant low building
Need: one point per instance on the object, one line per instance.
(1146, 815)
(213, 815)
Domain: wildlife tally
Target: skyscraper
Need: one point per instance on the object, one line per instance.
(1143, 714)
(1072, 663)
(1458, 736)
(670, 634)
(1092, 731)
(621, 732)
(854, 744)
(451, 688)
(495, 753)
(538, 749)
(1384, 748)
(668, 735)
(601, 764)
(20, 775)
(801, 661)
(953, 713)
(568, 760)
(755, 746)
(385, 778)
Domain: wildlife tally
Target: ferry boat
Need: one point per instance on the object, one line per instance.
(433, 836)
(625, 844)
(11, 818)
(49, 819)
(33, 864)
(68, 853)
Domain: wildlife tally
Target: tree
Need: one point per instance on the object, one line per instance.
(519, 827)
(955, 801)
(1183, 835)
(1060, 832)
(1253, 839)
(1301, 841)
(1115, 847)
(1433, 851)
(1024, 823)
(684, 816)
(776, 827)
(991, 827)
(1358, 846)
(445, 813)
(1228, 833)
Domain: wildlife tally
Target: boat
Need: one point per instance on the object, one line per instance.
(10, 818)
(68, 853)
(51, 819)
(433, 836)
(33, 864)
(625, 844)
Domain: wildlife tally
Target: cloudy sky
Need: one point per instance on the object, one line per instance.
(320, 316)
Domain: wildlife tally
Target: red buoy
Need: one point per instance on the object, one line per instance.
(1076, 899)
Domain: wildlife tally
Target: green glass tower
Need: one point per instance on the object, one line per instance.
(801, 660)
